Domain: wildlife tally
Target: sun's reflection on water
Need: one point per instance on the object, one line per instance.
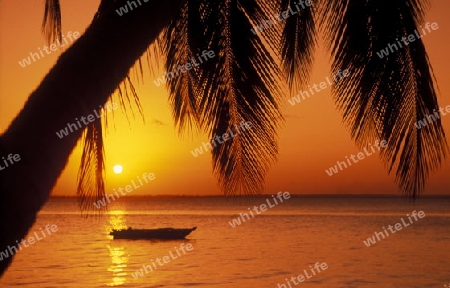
(119, 258)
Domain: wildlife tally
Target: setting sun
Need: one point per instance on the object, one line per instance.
(118, 169)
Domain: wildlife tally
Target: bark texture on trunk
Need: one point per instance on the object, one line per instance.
(81, 80)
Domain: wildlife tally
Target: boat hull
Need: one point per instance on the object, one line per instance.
(152, 234)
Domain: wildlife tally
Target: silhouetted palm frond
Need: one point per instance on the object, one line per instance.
(91, 186)
(297, 43)
(126, 91)
(177, 40)
(384, 97)
(239, 84)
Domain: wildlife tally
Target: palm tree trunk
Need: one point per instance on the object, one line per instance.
(82, 79)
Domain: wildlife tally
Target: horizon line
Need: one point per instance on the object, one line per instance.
(261, 195)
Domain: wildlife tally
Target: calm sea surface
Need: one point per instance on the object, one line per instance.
(280, 243)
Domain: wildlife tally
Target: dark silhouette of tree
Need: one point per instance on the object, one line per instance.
(83, 78)
(382, 98)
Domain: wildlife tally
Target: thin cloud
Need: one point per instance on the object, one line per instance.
(159, 122)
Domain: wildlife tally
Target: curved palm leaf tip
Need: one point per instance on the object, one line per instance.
(384, 98)
(239, 84)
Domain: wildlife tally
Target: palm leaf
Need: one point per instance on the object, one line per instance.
(297, 44)
(384, 97)
(91, 186)
(239, 84)
(177, 43)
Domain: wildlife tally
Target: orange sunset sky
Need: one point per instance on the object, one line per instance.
(312, 139)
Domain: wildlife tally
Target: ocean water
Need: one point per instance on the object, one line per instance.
(265, 251)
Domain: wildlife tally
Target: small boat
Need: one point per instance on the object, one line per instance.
(152, 234)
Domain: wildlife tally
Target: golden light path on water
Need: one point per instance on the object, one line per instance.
(120, 251)
(119, 258)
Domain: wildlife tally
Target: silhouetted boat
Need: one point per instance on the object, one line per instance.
(152, 234)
